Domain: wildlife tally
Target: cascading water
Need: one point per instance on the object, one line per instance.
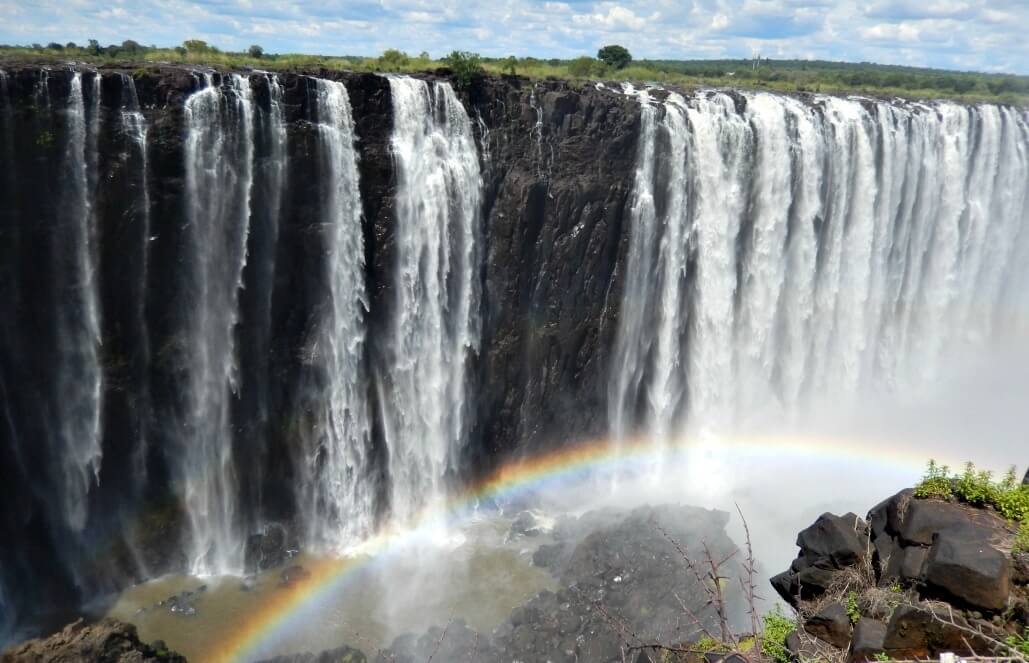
(219, 151)
(76, 442)
(257, 300)
(134, 127)
(435, 318)
(658, 207)
(337, 490)
(832, 248)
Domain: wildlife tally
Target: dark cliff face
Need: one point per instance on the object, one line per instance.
(560, 171)
(557, 171)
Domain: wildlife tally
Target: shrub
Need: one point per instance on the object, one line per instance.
(777, 627)
(1013, 503)
(581, 67)
(255, 52)
(465, 66)
(391, 58)
(935, 483)
(976, 488)
(1022, 538)
(1008, 496)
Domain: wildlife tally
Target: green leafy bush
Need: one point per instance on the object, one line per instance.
(976, 488)
(464, 65)
(1022, 538)
(935, 483)
(777, 627)
(1008, 496)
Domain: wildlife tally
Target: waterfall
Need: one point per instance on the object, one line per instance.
(134, 127)
(78, 379)
(435, 317)
(810, 252)
(219, 151)
(257, 322)
(337, 489)
(656, 273)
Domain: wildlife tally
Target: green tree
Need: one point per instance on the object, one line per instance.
(94, 47)
(255, 52)
(615, 56)
(54, 46)
(71, 45)
(510, 65)
(131, 46)
(196, 46)
(464, 65)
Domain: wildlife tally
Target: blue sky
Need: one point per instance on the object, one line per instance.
(985, 35)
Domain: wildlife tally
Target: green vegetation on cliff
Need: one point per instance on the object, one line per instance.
(1008, 496)
(613, 63)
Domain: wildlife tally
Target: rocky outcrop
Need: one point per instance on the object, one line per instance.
(924, 577)
(830, 544)
(617, 571)
(107, 641)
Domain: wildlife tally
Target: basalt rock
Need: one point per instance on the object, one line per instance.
(109, 641)
(869, 635)
(342, 654)
(830, 624)
(830, 544)
(962, 567)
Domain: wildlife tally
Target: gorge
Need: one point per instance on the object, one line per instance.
(323, 303)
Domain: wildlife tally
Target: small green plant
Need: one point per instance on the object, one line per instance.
(977, 487)
(1019, 643)
(707, 644)
(777, 626)
(1022, 538)
(881, 656)
(44, 139)
(974, 487)
(853, 609)
(935, 483)
(895, 587)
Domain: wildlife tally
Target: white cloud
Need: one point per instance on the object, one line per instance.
(615, 18)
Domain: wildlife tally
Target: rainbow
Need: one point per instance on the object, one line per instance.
(292, 606)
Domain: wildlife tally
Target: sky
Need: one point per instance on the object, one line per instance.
(982, 35)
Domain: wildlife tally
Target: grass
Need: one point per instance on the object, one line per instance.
(773, 75)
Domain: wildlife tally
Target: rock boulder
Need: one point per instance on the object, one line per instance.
(963, 568)
(108, 640)
(831, 624)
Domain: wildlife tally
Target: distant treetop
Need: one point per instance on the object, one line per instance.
(615, 56)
